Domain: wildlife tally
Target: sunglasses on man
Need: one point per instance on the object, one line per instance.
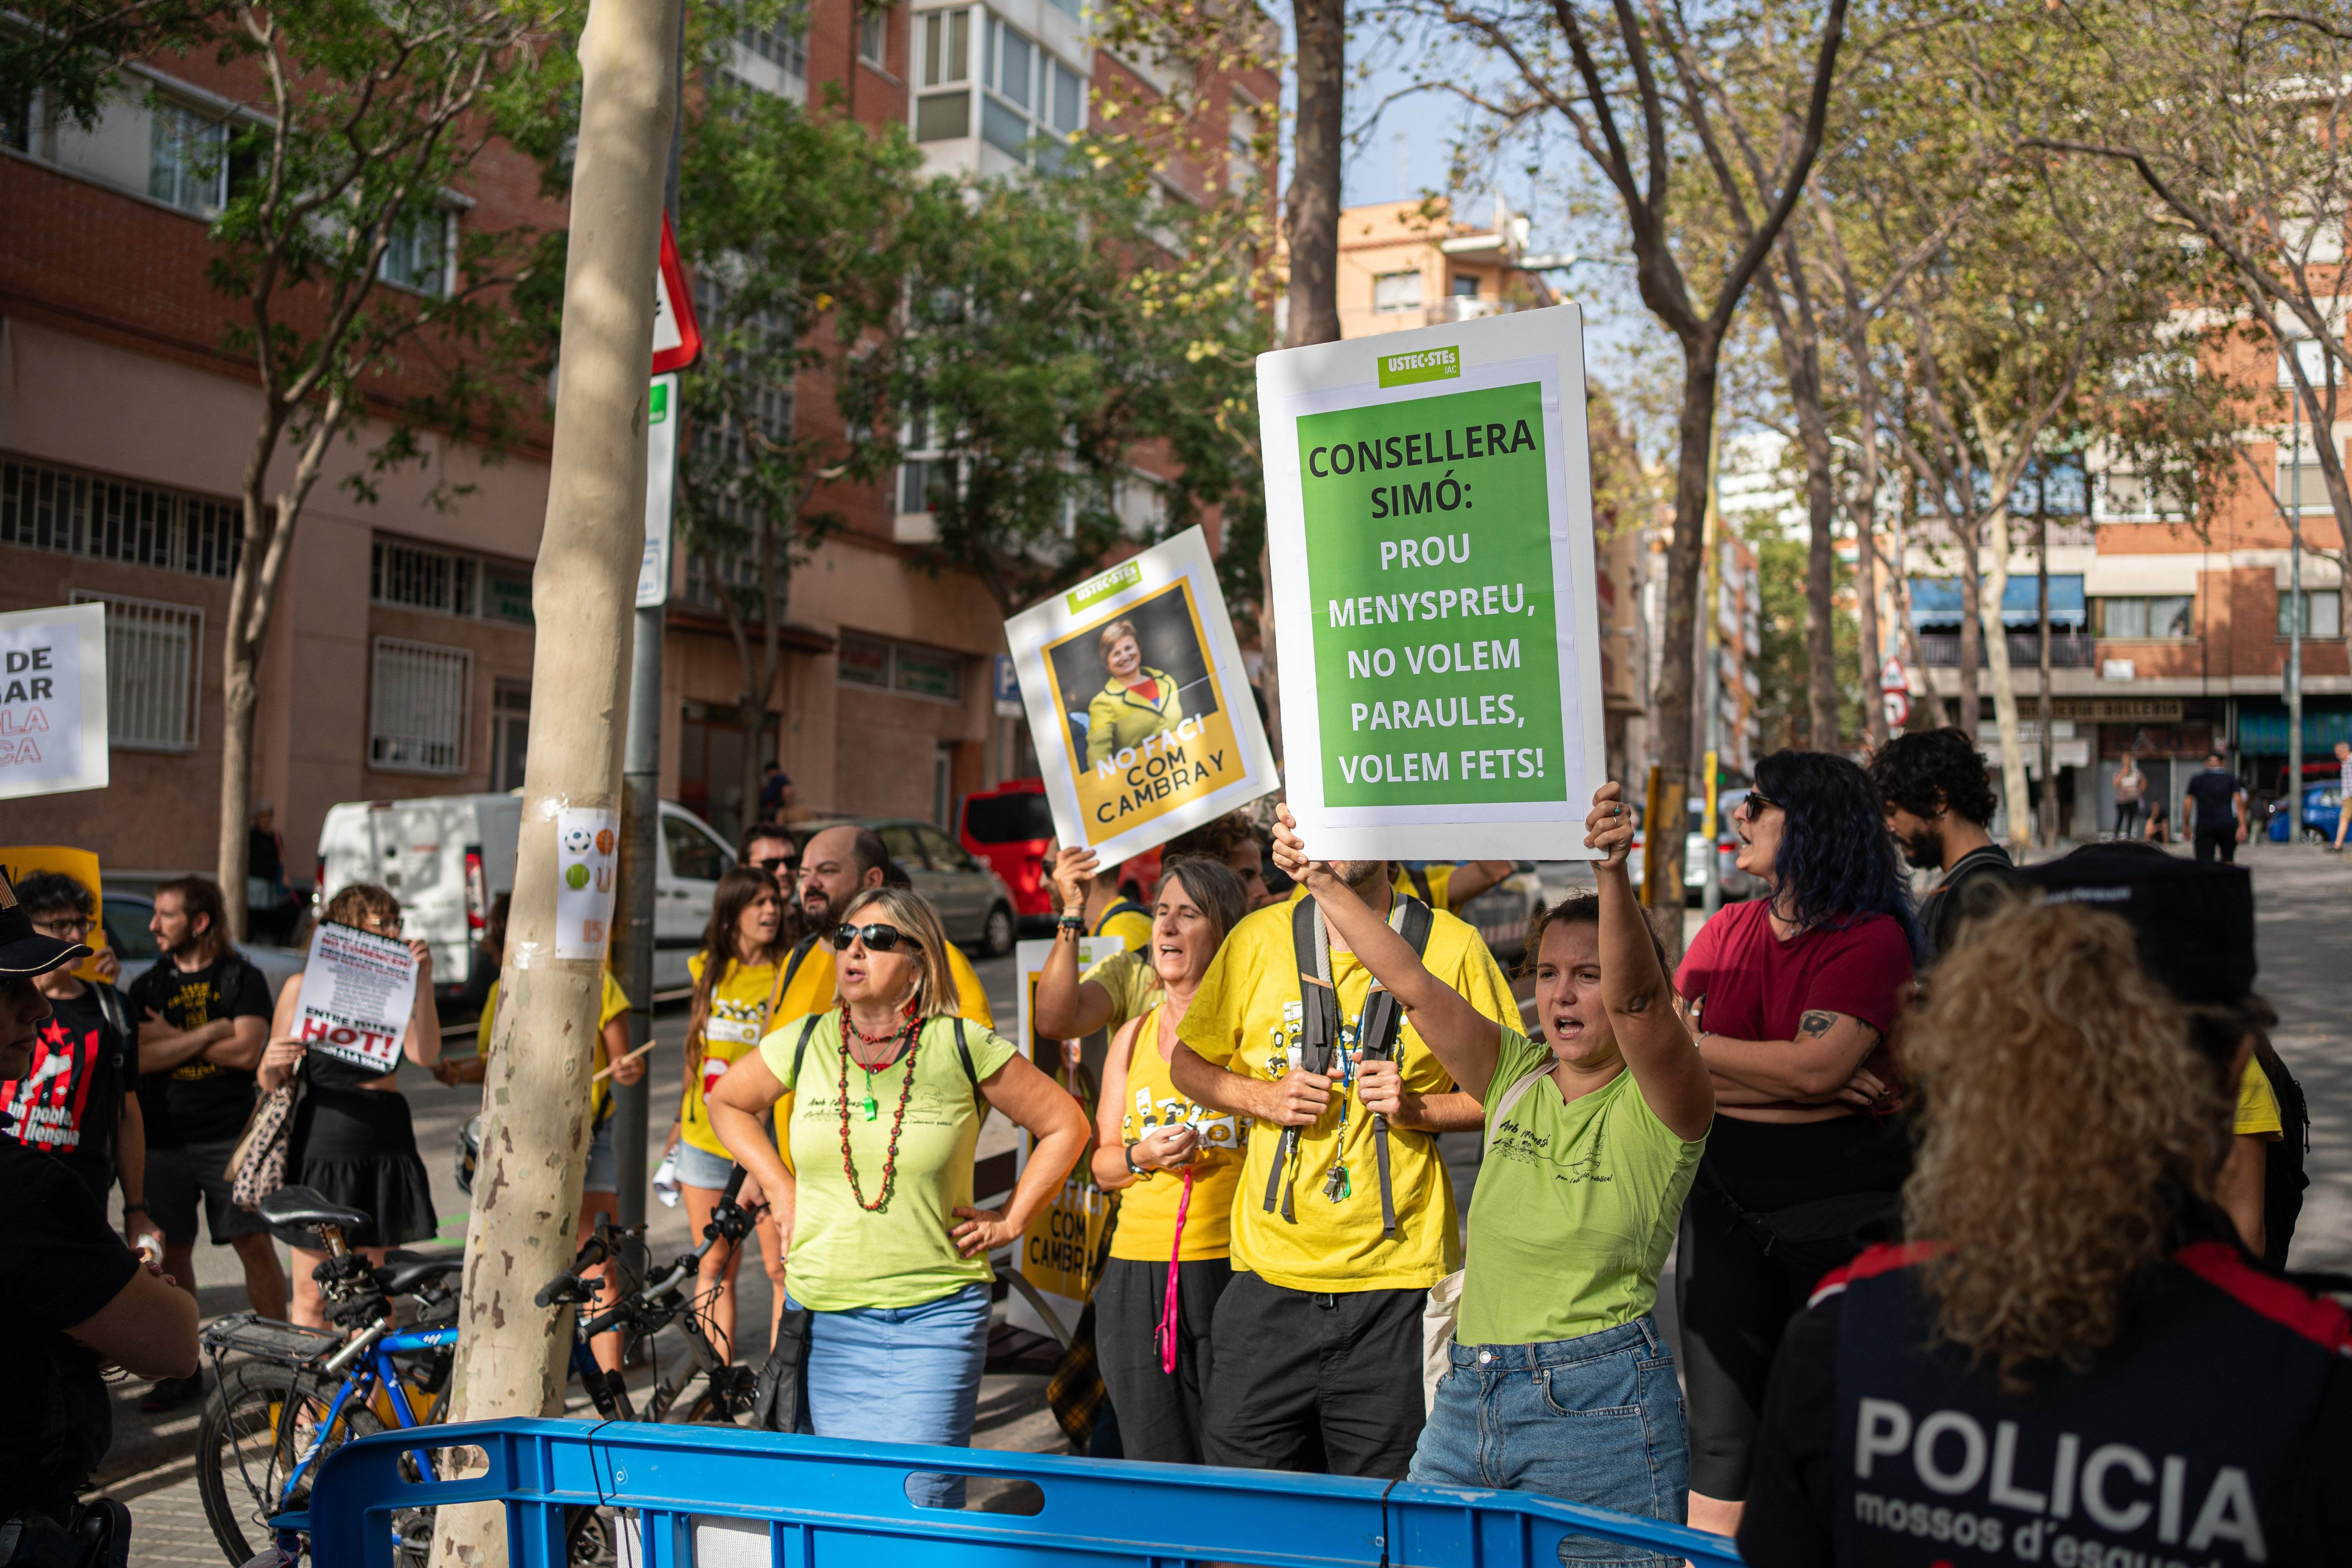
(774, 864)
(877, 938)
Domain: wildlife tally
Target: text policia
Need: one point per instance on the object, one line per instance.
(1429, 561)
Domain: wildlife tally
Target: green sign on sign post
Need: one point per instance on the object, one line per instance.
(1431, 536)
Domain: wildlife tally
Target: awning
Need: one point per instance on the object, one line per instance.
(1935, 601)
(2264, 735)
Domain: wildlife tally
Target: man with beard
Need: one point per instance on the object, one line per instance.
(837, 865)
(1939, 803)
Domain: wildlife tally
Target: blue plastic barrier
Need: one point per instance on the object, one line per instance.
(821, 1500)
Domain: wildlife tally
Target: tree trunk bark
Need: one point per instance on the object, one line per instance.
(1268, 686)
(1866, 603)
(1820, 581)
(1662, 864)
(1971, 634)
(2015, 794)
(240, 701)
(511, 1354)
(1312, 222)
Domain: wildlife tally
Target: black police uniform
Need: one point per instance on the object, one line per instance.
(2217, 1430)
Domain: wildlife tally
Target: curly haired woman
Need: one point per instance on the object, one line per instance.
(1792, 997)
(2081, 1365)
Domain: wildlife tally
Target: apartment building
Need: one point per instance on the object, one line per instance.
(1402, 265)
(400, 661)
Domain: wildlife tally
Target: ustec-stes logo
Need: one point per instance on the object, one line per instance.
(1422, 364)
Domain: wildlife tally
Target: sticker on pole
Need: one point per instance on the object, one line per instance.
(1143, 714)
(661, 489)
(53, 701)
(1429, 523)
(678, 338)
(587, 841)
(358, 992)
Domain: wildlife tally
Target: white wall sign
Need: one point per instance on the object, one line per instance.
(1429, 518)
(1143, 714)
(53, 701)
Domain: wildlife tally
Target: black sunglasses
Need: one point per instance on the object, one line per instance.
(877, 938)
(784, 862)
(1757, 800)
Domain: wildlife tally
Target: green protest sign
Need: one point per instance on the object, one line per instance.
(1428, 520)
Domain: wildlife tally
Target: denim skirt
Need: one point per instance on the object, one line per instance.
(1596, 1420)
(901, 1374)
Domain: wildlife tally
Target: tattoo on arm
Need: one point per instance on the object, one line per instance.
(1815, 1022)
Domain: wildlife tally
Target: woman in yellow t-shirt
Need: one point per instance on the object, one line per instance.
(1178, 1164)
(600, 1187)
(736, 977)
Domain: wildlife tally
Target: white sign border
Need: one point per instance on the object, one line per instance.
(1182, 558)
(1545, 345)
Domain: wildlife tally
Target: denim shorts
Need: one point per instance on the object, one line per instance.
(1596, 1420)
(701, 1168)
(901, 1374)
(604, 1165)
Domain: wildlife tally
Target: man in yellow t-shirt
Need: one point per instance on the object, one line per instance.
(1448, 885)
(2243, 1182)
(1319, 1331)
(836, 866)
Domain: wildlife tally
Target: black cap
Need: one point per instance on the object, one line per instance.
(2195, 923)
(24, 952)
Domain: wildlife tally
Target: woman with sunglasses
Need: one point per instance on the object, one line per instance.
(737, 977)
(1792, 997)
(352, 1140)
(886, 1249)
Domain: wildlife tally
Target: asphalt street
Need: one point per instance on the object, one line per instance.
(2304, 900)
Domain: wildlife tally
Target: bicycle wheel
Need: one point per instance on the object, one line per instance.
(255, 1429)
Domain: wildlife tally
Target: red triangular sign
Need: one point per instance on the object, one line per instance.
(678, 339)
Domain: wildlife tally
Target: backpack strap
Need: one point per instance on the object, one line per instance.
(1517, 1091)
(1420, 881)
(801, 1050)
(1124, 906)
(109, 1008)
(1377, 1040)
(971, 1071)
(785, 983)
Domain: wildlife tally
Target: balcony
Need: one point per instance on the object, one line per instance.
(2068, 650)
(1468, 308)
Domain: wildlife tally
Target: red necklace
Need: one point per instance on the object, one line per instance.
(911, 1037)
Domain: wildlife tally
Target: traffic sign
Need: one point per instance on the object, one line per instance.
(1891, 676)
(1898, 707)
(678, 339)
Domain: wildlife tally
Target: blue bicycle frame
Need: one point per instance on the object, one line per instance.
(376, 1369)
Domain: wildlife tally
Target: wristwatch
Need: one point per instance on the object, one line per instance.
(1133, 1168)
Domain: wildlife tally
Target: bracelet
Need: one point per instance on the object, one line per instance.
(137, 1207)
(1071, 923)
(1133, 1168)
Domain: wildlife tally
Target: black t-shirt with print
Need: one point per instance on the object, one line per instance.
(59, 1264)
(69, 1104)
(199, 1102)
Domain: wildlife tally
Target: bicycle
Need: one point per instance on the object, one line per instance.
(644, 1313)
(306, 1392)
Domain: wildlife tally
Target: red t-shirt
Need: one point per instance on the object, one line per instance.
(1757, 987)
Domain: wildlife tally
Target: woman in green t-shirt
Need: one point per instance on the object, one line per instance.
(1558, 1380)
(883, 1242)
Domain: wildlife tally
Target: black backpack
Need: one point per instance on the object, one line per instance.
(2283, 1177)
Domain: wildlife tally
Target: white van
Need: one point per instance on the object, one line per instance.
(448, 857)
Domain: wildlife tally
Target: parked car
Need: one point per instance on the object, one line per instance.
(1737, 883)
(1011, 827)
(973, 901)
(125, 916)
(1502, 911)
(2322, 804)
(448, 857)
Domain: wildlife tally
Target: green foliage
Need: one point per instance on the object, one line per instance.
(1058, 328)
(1781, 668)
(67, 50)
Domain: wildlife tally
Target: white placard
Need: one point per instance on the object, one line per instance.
(1429, 522)
(1142, 715)
(661, 489)
(587, 845)
(1029, 962)
(358, 992)
(53, 701)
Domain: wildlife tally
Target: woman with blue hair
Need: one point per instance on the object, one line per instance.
(1792, 997)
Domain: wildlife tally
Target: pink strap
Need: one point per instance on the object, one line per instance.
(1166, 1334)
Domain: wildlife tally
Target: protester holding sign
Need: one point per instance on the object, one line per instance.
(353, 1141)
(1592, 1138)
(1793, 996)
(1179, 1165)
(1345, 1217)
(889, 1252)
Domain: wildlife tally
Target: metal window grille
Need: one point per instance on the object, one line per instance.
(153, 656)
(422, 579)
(44, 508)
(417, 712)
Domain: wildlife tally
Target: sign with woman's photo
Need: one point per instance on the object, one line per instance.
(1429, 523)
(1143, 717)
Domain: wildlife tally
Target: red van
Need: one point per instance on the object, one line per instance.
(1012, 826)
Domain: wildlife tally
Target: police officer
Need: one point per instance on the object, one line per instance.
(2074, 1360)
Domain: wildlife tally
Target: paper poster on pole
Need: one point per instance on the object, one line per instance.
(1428, 520)
(358, 991)
(587, 842)
(1143, 714)
(53, 701)
(22, 861)
(1056, 1252)
(661, 490)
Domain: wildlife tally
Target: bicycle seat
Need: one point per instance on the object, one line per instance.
(306, 1208)
(406, 1273)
